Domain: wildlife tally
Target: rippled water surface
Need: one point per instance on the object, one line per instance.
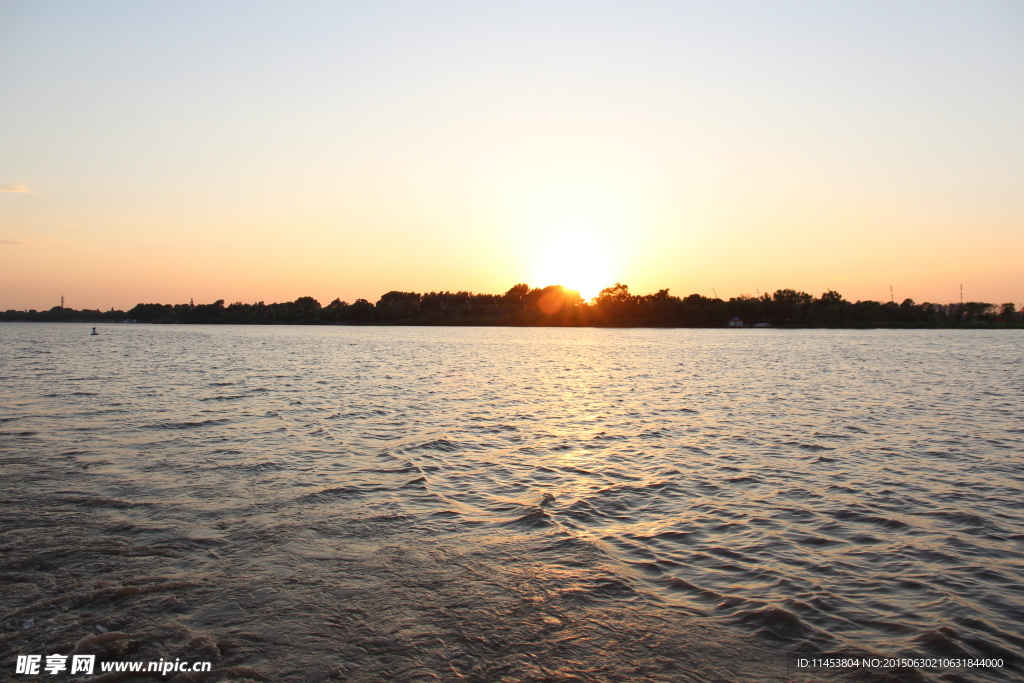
(511, 504)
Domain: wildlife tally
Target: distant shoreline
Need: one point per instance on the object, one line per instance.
(556, 306)
(968, 326)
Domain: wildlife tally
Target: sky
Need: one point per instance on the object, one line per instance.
(261, 151)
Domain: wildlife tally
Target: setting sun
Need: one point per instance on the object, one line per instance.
(573, 248)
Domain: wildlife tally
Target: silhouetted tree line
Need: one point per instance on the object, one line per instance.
(59, 314)
(556, 306)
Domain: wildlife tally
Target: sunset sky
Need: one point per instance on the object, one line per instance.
(161, 151)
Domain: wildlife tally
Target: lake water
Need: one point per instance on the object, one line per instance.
(485, 504)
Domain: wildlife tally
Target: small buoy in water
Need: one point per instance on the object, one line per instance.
(94, 331)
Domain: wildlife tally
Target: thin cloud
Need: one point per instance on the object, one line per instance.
(12, 243)
(17, 189)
